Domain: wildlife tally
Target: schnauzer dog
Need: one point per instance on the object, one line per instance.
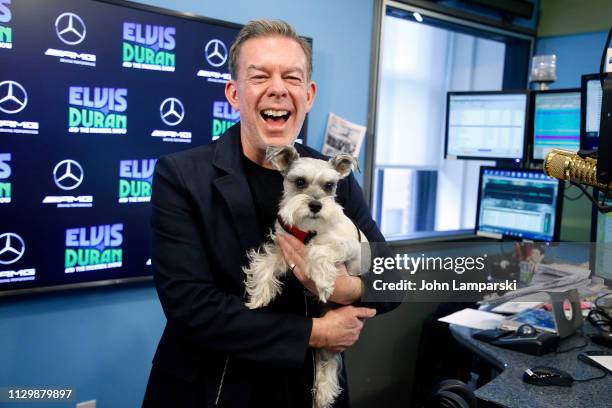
(309, 211)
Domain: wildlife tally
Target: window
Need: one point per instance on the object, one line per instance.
(416, 192)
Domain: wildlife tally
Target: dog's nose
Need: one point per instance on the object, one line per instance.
(315, 206)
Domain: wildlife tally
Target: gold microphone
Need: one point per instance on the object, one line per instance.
(567, 165)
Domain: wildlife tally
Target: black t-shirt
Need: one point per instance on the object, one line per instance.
(277, 386)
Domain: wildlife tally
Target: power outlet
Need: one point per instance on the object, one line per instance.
(86, 404)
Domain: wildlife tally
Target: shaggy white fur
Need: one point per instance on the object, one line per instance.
(308, 203)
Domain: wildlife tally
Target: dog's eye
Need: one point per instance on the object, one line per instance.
(328, 187)
(300, 182)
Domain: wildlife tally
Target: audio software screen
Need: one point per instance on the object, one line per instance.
(518, 203)
(486, 125)
(556, 122)
(91, 94)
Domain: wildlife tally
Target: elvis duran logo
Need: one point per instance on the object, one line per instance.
(215, 55)
(12, 248)
(147, 46)
(6, 32)
(135, 180)
(97, 110)
(14, 99)
(5, 173)
(224, 117)
(71, 30)
(68, 175)
(172, 113)
(93, 248)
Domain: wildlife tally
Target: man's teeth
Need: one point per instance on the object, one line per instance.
(275, 113)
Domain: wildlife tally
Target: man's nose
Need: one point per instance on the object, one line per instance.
(277, 87)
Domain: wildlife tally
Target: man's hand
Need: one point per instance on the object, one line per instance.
(339, 328)
(347, 289)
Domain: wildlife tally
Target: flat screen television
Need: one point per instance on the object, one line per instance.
(92, 92)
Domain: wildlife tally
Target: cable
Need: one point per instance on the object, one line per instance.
(601, 297)
(605, 374)
(601, 207)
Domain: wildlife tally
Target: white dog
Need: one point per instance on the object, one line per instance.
(310, 212)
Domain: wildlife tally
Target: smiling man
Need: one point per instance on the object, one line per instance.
(210, 206)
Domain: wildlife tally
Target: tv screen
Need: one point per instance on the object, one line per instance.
(91, 94)
(486, 125)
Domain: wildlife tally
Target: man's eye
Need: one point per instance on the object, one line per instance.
(300, 182)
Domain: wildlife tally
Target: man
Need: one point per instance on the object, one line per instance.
(214, 203)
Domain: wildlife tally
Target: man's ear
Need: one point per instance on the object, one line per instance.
(344, 163)
(311, 92)
(231, 94)
(281, 157)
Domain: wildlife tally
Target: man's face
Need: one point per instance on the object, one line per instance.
(272, 92)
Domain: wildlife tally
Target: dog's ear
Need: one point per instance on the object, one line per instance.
(344, 163)
(281, 157)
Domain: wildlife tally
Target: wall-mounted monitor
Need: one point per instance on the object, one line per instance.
(485, 125)
(518, 204)
(555, 121)
(91, 94)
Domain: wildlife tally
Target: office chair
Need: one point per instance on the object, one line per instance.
(451, 394)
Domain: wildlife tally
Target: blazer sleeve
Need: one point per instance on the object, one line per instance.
(356, 208)
(214, 319)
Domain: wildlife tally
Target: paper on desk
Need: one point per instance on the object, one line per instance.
(514, 307)
(476, 319)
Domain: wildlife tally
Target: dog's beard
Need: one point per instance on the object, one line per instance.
(294, 211)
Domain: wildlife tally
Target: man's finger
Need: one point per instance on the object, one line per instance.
(364, 312)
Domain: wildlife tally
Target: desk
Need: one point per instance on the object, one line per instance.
(509, 390)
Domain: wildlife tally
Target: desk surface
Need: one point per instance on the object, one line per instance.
(509, 390)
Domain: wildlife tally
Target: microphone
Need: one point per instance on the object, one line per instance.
(567, 165)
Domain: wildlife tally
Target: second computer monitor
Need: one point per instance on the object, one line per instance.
(519, 204)
(556, 121)
(591, 111)
(485, 125)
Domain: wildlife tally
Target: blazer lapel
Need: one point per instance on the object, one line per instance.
(234, 189)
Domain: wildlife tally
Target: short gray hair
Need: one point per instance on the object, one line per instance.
(267, 28)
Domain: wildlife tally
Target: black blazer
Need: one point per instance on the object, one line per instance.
(204, 222)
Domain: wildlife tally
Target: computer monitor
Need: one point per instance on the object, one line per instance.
(518, 204)
(590, 107)
(601, 236)
(555, 121)
(485, 125)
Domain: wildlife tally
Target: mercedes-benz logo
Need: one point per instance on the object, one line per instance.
(171, 111)
(12, 248)
(215, 52)
(70, 28)
(13, 97)
(68, 174)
